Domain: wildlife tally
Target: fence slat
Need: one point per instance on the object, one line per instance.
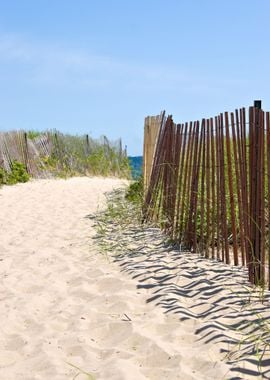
(231, 190)
(213, 183)
(268, 183)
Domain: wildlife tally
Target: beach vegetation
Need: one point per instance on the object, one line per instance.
(54, 154)
(122, 213)
(76, 155)
(254, 338)
(17, 174)
(256, 342)
(134, 192)
(33, 134)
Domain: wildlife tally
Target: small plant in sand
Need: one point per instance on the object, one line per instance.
(17, 174)
(3, 176)
(123, 212)
(256, 341)
(134, 192)
(254, 334)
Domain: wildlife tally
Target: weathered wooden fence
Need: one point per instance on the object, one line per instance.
(15, 146)
(151, 130)
(66, 152)
(209, 187)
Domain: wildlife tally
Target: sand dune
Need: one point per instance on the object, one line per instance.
(153, 314)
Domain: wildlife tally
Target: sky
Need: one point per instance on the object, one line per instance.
(101, 66)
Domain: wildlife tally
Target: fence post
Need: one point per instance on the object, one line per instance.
(26, 154)
(151, 130)
(87, 145)
(258, 104)
(256, 154)
(120, 152)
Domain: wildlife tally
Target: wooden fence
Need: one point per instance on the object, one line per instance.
(151, 130)
(16, 146)
(209, 187)
(65, 152)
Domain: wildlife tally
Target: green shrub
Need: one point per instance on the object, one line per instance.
(33, 134)
(134, 193)
(18, 174)
(98, 162)
(3, 176)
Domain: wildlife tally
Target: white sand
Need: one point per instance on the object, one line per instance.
(62, 302)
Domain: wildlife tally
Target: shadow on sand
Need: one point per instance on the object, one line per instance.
(215, 295)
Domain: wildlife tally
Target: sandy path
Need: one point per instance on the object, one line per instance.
(48, 276)
(62, 302)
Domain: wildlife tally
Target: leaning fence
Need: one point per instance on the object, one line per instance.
(209, 187)
(52, 153)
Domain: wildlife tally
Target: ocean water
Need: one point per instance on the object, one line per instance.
(136, 166)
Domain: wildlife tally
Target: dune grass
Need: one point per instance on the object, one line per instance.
(54, 154)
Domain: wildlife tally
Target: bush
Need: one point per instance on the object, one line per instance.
(134, 192)
(3, 176)
(33, 134)
(18, 174)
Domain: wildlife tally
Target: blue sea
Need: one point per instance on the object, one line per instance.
(136, 166)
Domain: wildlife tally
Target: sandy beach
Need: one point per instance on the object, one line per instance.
(68, 310)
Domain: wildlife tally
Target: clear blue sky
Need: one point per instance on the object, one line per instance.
(101, 66)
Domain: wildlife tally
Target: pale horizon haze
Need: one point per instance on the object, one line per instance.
(100, 67)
